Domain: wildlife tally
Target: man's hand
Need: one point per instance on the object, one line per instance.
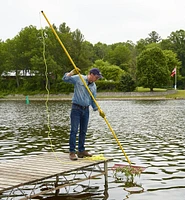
(74, 71)
(101, 113)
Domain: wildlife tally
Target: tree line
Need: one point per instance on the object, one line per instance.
(124, 65)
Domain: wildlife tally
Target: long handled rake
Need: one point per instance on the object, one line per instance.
(108, 124)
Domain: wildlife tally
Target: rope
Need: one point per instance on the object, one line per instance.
(47, 90)
(47, 97)
(96, 157)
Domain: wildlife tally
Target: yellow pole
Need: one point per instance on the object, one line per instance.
(108, 124)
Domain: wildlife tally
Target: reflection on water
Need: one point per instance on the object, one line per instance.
(151, 133)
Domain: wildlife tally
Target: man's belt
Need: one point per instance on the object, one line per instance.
(82, 107)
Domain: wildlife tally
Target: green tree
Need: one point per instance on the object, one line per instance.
(109, 72)
(87, 56)
(127, 84)
(178, 46)
(3, 56)
(120, 55)
(101, 50)
(82, 51)
(153, 37)
(56, 58)
(131, 69)
(78, 49)
(25, 46)
(12, 62)
(166, 44)
(152, 69)
(140, 46)
(173, 62)
(78, 40)
(57, 61)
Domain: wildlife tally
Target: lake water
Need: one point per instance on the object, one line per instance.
(152, 134)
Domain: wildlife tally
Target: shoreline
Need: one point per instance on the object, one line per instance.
(69, 98)
(101, 96)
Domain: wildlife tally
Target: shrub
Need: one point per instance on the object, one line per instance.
(127, 84)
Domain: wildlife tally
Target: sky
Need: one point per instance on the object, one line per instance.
(105, 21)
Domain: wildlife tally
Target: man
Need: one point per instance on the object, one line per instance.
(80, 109)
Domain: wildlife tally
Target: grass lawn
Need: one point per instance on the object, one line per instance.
(179, 94)
(141, 89)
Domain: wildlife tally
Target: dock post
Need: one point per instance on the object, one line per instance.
(56, 185)
(106, 180)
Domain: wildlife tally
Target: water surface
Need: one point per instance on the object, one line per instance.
(151, 133)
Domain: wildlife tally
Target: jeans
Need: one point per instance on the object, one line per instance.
(79, 120)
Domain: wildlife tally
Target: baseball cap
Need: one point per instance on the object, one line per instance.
(97, 72)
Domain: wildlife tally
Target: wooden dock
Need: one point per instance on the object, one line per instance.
(16, 174)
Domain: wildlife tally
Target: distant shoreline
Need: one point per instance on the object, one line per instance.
(101, 96)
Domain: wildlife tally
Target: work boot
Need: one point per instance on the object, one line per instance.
(84, 154)
(73, 156)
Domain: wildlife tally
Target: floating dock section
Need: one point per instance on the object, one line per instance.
(20, 178)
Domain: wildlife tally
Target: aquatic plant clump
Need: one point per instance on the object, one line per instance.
(128, 171)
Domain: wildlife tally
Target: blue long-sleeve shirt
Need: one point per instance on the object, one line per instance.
(81, 96)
